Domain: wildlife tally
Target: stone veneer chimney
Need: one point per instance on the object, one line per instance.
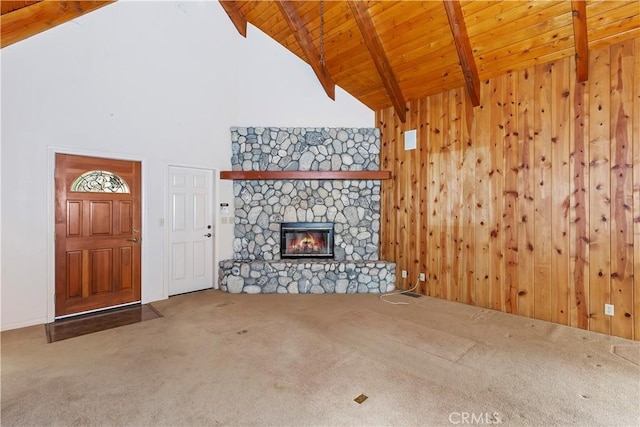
(260, 206)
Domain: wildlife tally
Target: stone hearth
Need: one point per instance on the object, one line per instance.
(304, 276)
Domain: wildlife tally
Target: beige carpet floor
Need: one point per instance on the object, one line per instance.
(301, 360)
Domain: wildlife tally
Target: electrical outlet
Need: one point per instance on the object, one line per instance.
(422, 277)
(404, 274)
(608, 309)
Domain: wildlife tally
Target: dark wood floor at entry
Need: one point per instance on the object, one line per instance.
(100, 321)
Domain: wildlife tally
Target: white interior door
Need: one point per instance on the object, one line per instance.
(191, 229)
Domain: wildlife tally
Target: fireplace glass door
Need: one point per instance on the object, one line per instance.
(306, 240)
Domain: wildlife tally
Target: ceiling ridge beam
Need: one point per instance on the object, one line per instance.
(311, 53)
(379, 57)
(580, 39)
(28, 21)
(235, 14)
(463, 46)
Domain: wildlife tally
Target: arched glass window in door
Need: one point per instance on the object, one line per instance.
(100, 182)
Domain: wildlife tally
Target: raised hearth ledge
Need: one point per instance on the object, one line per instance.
(306, 276)
(309, 175)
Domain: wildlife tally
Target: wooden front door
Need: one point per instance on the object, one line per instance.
(97, 237)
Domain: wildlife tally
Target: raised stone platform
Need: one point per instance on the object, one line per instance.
(306, 276)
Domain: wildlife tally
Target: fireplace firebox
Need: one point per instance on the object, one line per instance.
(306, 240)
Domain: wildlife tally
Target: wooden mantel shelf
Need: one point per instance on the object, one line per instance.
(275, 175)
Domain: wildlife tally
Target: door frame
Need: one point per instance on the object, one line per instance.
(51, 218)
(214, 219)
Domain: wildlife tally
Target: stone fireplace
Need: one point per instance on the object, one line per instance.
(352, 205)
(264, 207)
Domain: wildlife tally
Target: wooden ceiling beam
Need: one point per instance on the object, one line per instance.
(579, 12)
(311, 53)
(377, 52)
(28, 21)
(235, 14)
(463, 46)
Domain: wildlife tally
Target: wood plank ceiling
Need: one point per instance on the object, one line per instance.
(386, 53)
(23, 19)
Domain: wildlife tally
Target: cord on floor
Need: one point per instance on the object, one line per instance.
(399, 293)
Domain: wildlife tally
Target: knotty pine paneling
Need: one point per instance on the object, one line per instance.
(578, 206)
(525, 186)
(599, 195)
(433, 189)
(560, 193)
(529, 203)
(635, 119)
(543, 186)
(621, 152)
(510, 199)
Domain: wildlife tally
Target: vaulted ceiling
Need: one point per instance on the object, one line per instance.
(386, 53)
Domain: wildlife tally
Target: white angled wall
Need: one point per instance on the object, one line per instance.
(161, 82)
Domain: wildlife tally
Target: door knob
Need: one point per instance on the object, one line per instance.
(134, 240)
(207, 235)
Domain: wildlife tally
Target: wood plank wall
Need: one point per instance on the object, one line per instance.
(529, 203)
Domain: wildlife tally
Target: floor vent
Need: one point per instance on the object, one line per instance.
(412, 294)
(361, 398)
